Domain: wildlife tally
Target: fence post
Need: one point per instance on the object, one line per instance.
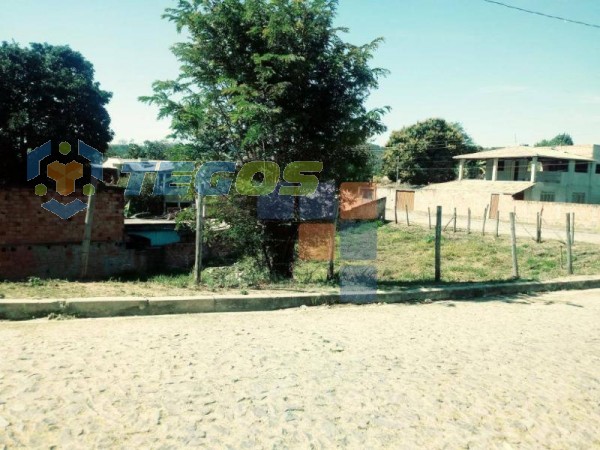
(87, 234)
(199, 232)
(561, 257)
(396, 207)
(407, 219)
(469, 221)
(569, 246)
(429, 213)
(438, 245)
(497, 224)
(485, 213)
(538, 229)
(454, 226)
(572, 228)
(513, 238)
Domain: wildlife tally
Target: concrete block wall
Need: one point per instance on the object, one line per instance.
(587, 217)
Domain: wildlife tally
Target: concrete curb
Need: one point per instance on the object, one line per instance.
(19, 309)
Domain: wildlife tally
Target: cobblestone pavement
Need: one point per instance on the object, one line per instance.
(503, 373)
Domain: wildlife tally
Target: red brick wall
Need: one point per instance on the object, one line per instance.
(24, 221)
(64, 261)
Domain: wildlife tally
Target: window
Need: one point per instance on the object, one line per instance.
(557, 165)
(578, 197)
(501, 166)
(582, 167)
(547, 196)
(598, 169)
(367, 194)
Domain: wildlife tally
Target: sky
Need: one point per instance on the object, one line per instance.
(507, 76)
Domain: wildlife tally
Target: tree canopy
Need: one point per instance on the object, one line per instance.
(558, 140)
(47, 93)
(423, 152)
(270, 79)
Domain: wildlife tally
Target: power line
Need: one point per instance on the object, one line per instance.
(577, 22)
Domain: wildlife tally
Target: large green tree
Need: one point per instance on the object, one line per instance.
(47, 93)
(558, 140)
(271, 79)
(423, 153)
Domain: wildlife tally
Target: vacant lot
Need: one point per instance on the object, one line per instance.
(405, 256)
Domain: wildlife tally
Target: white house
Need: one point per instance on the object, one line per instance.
(569, 174)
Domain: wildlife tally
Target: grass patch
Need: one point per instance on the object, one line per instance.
(405, 257)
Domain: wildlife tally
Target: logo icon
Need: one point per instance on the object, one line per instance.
(64, 176)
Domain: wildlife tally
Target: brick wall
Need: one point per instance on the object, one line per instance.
(35, 242)
(64, 260)
(24, 221)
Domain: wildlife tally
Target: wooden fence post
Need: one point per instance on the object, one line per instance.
(497, 224)
(199, 232)
(438, 245)
(407, 219)
(429, 213)
(396, 207)
(485, 213)
(454, 226)
(538, 229)
(469, 221)
(87, 233)
(569, 247)
(572, 228)
(513, 237)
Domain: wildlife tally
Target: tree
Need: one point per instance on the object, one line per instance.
(47, 93)
(423, 152)
(558, 140)
(270, 80)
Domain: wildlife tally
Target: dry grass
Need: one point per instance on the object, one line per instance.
(406, 255)
(404, 258)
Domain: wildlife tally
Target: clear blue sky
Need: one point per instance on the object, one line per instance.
(503, 74)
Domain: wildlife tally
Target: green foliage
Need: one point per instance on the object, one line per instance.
(423, 152)
(265, 79)
(230, 220)
(558, 140)
(153, 150)
(245, 273)
(270, 80)
(47, 93)
(35, 281)
(146, 202)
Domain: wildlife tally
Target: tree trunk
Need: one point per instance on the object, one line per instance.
(279, 244)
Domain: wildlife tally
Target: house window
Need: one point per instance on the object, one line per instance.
(367, 194)
(501, 166)
(558, 165)
(598, 169)
(547, 196)
(582, 167)
(578, 197)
